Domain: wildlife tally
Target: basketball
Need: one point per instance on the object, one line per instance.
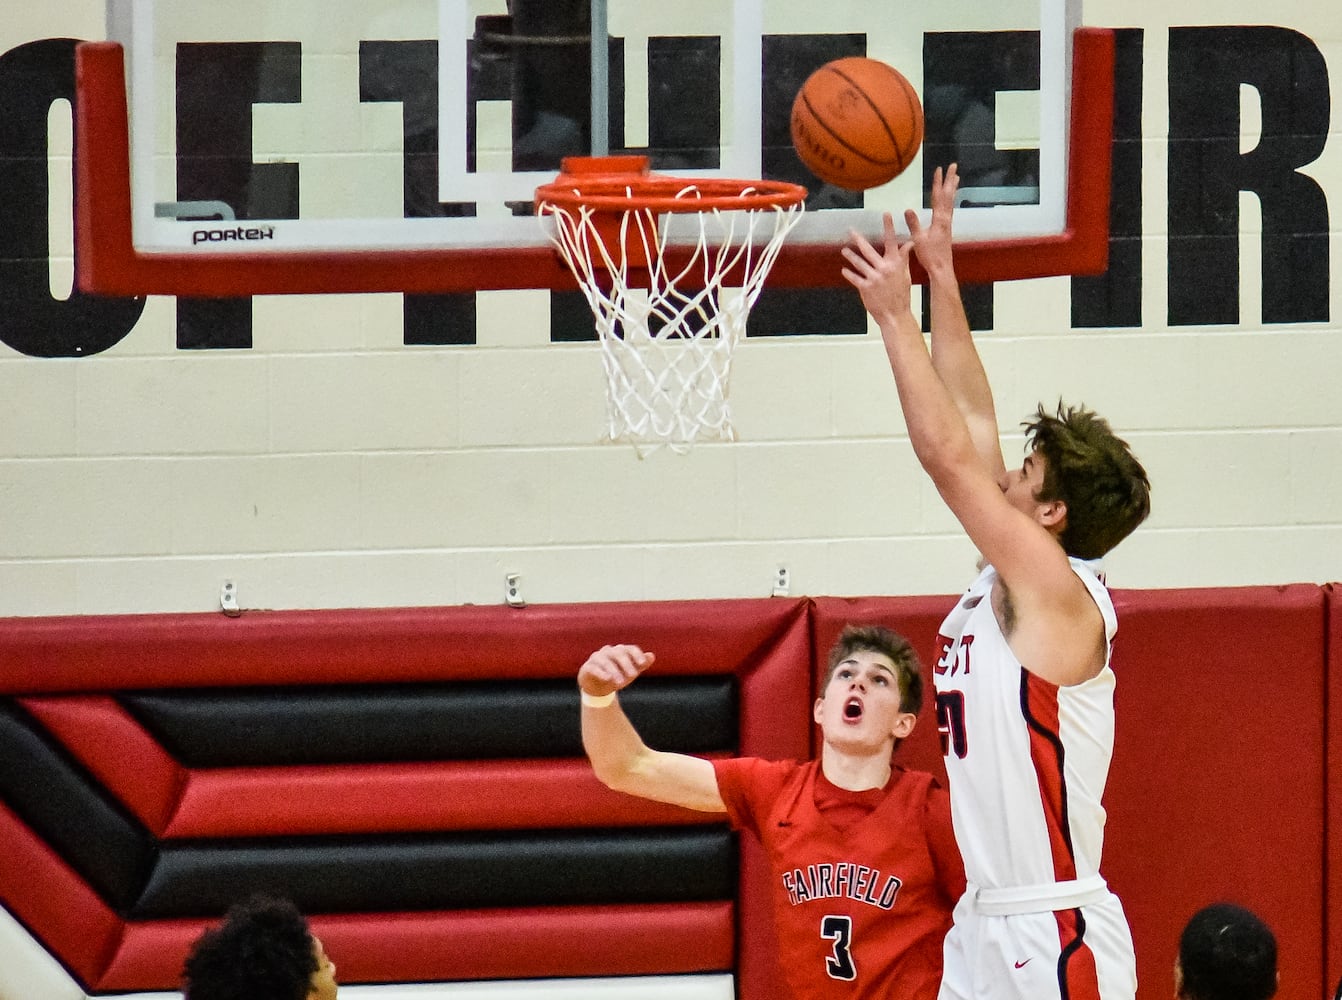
(857, 123)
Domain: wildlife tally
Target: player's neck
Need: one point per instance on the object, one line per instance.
(854, 772)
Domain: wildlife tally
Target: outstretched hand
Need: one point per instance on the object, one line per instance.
(881, 277)
(612, 668)
(933, 244)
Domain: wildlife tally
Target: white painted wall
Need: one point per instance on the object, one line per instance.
(331, 466)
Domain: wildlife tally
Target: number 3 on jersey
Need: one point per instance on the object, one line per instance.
(839, 964)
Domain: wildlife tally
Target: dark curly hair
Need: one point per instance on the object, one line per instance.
(262, 951)
(1227, 953)
(1093, 472)
(878, 639)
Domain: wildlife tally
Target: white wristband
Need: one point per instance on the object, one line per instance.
(598, 701)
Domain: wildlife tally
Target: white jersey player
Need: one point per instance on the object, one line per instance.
(1027, 762)
(1025, 692)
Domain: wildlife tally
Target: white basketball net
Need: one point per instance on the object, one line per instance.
(667, 348)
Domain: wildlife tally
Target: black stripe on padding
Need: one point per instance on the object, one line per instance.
(536, 868)
(65, 806)
(239, 727)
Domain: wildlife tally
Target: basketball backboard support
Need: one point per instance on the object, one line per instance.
(273, 146)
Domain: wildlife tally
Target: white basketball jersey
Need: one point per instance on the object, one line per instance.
(1027, 759)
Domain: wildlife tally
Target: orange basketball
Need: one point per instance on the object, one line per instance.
(857, 123)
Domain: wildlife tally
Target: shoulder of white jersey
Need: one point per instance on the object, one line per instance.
(1091, 573)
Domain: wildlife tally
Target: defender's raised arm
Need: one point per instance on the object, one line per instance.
(620, 758)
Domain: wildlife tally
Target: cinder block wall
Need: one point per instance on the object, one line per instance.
(328, 464)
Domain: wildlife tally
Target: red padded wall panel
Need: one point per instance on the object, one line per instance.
(1216, 790)
(63, 913)
(126, 759)
(53, 661)
(384, 644)
(775, 694)
(1333, 768)
(433, 795)
(478, 944)
(775, 724)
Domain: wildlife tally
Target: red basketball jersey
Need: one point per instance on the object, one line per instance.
(861, 911)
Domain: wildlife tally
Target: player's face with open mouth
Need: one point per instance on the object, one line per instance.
(862, 698)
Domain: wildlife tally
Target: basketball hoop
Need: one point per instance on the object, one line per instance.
(671, 297)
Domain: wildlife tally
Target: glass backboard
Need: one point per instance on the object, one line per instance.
(414, 133)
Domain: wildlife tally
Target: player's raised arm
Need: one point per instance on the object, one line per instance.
(954, 354)
(620, 758)
(937, 428)
(1060, 630)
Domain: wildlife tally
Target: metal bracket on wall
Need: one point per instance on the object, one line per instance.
(782, 582)
(512, 590)
(228, 599)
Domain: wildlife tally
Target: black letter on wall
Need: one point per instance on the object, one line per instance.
(32, 77)
(1207, 172)
(217, 84)
(407, 72)
(788, 61)
(962, 74)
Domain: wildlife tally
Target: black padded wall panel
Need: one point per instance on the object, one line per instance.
(462, 721)
(447, 872)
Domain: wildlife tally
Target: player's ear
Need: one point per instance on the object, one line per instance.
(816, 710)
(1052, 515)
(904, 723)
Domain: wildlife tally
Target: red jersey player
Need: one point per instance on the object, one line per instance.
(862, 857)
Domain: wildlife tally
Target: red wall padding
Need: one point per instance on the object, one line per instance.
(1217, 788)
(1229, 709)
(120, 754)
(46, 655)
(1333, 770)
(53, 902)
(62, 669)
(173, 801)
(469, 945)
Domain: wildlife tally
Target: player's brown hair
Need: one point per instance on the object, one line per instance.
(887, 642)
(1093, 471)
